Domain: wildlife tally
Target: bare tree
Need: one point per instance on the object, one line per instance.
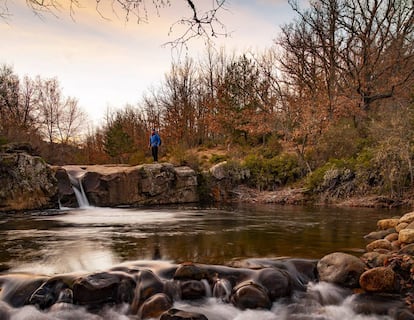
(70, 121)
(363, 49)
(61, 118)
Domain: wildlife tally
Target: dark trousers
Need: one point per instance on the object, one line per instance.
(154, 151)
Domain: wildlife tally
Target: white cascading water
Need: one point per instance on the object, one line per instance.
(75, 177)
(81, 195)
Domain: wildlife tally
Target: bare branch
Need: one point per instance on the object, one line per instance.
(204, 24)
(207, 26)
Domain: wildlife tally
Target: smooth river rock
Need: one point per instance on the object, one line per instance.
(341, 268)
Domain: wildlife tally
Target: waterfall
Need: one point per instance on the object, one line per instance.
(75, 177)
(80, 195)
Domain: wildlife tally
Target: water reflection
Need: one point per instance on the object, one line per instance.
(95, 238)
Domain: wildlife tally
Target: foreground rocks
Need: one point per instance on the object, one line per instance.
(149, 290)
(389, 259)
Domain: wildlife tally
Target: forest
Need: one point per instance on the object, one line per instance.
(329, 107)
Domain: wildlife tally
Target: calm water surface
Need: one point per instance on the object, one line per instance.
(97, 238)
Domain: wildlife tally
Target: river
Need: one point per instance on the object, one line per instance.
(92, 239)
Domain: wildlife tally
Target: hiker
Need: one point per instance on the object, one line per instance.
(154, 143)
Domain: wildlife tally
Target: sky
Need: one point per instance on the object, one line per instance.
(106, 62)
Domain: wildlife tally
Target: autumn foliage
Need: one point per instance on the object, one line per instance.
(338, 83)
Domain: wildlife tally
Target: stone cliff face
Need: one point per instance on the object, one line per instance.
(125, 185)
(26, 182)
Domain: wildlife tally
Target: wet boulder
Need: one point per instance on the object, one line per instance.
(48, 293)
(341, 268)
(250, 295)
(16, 289)
(277, 282)
(147, 285)
(154, 306)
(190, 270)
(379, 279)
(176, 314)
(104, 287)
(192, 289)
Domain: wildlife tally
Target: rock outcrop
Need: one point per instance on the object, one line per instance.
(27, 182)
(117, 185)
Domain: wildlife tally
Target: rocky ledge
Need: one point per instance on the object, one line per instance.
(29, 183)
(117, 185)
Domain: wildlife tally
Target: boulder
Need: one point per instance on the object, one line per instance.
(27, 183)
(392, 237)
(176, 314)
(385, 224)
(276, 282)
(379, 244)
(16, 289)
(379, 279)
(190, 270)
(192, 290)
(48, 294)
(407, 218)
(67, 196)
(154, 306)
(148, 284)
(376, 235)
(250, 295)
(406, 236)
(401, 226)
(341, 268)
(104, 287)
(374, 259)
(223, 178)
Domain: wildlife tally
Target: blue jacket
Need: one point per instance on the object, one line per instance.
(155, 140)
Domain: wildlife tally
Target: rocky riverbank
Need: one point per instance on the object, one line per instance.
(28, 183)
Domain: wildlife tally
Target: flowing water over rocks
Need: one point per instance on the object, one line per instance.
(79, 264)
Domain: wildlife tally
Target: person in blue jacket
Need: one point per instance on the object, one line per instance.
(154, 143)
